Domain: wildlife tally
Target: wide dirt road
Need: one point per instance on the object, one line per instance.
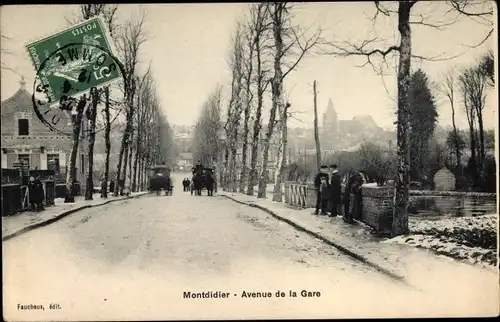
(135, 259)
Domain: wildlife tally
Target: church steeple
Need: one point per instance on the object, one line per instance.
(329, 108)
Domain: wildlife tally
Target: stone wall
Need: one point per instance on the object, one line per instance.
(377, 205)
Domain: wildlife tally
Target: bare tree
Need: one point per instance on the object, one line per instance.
(316, 131)
(248, 54)
(144, 99)
(79, 108)
(473, 88)
(129, 42)
(403, 11)
(206, 144)
(448, 89)
(290, 46)
(487, 66)
(260, 27)
(235, 106)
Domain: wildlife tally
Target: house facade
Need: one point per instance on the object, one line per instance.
(24, 138)
(185, 161)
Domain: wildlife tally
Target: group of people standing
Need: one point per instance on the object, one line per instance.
(329, 191)
(330, 196)
(186, 183)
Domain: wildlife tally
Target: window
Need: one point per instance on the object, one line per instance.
(53, 162)
(25, 158)
(23, 127)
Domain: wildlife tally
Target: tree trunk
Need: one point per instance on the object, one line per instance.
(244, 168)
(139, 172)
(131, 153)
(136, 163)
(457, 141)
(261, 193)
(71, 173)
(277, 193)
(107, 140)
(316, 130)
(257, 123)
(120, 159)
(125, 164)
(481, 158)
(472, 163)
(400, 216)
(92, 113)
(277, 97)
(233, 160)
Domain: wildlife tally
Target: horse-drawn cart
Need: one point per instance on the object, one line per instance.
(203, 178)
(159, 179)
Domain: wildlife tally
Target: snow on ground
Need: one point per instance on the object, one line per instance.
(469, 239)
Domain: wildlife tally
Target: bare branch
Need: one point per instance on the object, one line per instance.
(482, 41)
(304, 47)
(461, 7)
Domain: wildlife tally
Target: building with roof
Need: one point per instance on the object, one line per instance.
(26, 139)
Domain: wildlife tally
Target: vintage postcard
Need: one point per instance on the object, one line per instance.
(249, 160)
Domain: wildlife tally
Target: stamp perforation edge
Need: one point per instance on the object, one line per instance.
(100, 20)
(110, 42)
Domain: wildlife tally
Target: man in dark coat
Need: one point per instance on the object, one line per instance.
(336, 190)
(39, 193)
(323, 173)
(198, 167)
(353, 186)
(112, 186)
(32, 193)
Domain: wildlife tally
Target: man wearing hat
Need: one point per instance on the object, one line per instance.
(323, 173)
(336, 190)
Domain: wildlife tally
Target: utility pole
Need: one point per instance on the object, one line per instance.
(316, 130)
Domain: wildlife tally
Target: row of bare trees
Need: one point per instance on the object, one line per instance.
(265, 48)
(146, 137)
(470, 85)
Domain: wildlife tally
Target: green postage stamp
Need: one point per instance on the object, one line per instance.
(73, 61)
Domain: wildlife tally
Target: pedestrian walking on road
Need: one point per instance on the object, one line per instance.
(323, 173)
(336, 190)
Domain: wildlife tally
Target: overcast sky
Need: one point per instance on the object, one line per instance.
(189, 46)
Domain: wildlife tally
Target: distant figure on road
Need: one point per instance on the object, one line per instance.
(323, 173)
(336, 190)
(186, 183)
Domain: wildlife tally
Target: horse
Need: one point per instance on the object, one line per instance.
(203, 179)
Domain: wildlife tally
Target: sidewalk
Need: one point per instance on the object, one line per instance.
(27, 220)
(403, 262)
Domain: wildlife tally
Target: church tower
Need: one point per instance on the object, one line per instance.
(330, 118)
